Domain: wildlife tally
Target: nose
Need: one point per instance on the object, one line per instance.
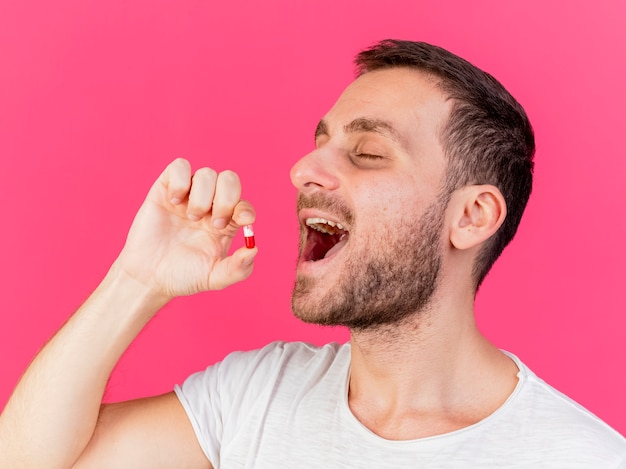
(315, 171)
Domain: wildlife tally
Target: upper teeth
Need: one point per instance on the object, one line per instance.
(318, 224)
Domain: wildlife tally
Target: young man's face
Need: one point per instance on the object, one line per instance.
(376, 175)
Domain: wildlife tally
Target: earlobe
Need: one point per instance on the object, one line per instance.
(480, 211)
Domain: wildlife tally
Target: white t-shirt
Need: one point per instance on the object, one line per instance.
(286, 406)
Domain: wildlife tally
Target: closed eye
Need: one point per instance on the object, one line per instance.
(368, 156)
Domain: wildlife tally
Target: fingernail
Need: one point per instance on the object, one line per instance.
(175, 200)
(246, 217)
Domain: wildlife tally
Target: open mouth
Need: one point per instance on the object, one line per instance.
(323, 239)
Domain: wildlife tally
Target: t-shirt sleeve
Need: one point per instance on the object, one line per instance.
(218, 396)
(200, 399)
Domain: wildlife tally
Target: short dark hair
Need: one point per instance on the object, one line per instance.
(488, 138)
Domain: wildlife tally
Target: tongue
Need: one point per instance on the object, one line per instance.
(336, 248)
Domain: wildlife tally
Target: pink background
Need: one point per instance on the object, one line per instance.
(97, 97)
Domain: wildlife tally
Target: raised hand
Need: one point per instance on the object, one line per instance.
(178, 245)
(179, 241)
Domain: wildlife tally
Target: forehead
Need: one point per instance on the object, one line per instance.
(409, 100)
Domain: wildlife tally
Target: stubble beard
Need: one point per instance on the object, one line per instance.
(382, 285)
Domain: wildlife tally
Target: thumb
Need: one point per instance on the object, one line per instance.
(233, 269)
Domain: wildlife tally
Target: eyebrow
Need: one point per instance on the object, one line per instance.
(366, 125)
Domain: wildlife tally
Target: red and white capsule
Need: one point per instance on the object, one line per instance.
(248, 235)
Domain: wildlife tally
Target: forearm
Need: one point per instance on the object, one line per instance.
(54, 409)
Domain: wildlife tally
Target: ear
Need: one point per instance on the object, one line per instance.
(478, 212)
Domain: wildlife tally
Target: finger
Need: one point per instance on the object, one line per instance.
(201, 193)
(233, 269)
(227, 195)
(244, 213)
(177, 180)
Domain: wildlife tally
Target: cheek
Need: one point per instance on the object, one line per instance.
(391, 200)
(383, 223)
(382, 205)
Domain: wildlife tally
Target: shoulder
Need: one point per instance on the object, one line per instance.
(282, 355)
(236, 393)
(281, 350)
(275, 362)
(560, 425)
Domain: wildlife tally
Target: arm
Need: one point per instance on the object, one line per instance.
(144, 434)
(178, 245)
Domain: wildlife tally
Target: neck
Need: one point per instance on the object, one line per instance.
(431, 374)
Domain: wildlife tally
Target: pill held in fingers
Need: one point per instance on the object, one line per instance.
(248, 234)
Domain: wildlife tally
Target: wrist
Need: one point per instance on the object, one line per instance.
(134, 296)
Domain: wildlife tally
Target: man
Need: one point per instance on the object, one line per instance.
(419, 178)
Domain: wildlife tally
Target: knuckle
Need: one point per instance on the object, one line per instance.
(206, 173)
(229, 176)
(178, 174)
(199, 203)
(181, 163)
(229, 188)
